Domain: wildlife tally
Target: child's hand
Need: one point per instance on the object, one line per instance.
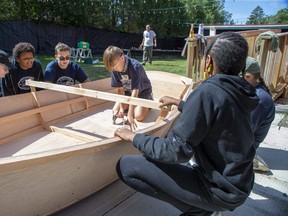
(132, 123)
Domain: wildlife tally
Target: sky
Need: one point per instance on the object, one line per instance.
(241, 9)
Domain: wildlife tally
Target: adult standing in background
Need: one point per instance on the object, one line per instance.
(26, 67)
(149, 40)
(62, 70)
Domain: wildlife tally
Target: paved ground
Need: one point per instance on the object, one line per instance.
(268, 198)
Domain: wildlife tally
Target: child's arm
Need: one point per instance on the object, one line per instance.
(118, 106)
(131, 110)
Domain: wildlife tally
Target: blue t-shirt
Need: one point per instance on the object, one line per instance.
(133, 77)
(68, 76)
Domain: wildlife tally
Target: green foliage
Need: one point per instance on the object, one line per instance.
(169, 17)
(257, 16)
(282, 16)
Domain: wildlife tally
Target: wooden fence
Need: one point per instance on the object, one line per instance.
(274, 65)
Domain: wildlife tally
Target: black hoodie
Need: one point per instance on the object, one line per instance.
(214, 128)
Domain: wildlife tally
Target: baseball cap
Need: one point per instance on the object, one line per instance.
(252, 65)
(4, 59)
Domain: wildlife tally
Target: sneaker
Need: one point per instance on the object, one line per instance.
(259, 164)
(143, 63)
(150, 63)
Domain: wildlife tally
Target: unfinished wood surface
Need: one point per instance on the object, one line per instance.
(45, 170)
(274, 66)
(95, 94)
(190, 55)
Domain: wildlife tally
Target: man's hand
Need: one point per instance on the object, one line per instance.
(125, 134)
(166, 101)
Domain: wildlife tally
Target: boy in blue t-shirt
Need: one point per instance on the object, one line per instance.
(129, 76)
(25, 67)
(62, 71)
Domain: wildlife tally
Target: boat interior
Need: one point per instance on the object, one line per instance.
(47, 120)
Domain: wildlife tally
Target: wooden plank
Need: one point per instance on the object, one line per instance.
(190, 58)
(20, 134)
(96, 94)
(49, 123)
(37, 104)
(38, 110)
(72, 134)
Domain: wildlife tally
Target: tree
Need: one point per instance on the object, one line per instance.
(257, 16)
(168, 17)
(282, 16)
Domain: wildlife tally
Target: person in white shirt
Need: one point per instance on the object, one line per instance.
(149, 40)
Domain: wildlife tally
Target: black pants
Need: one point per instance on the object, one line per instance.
(176, 184)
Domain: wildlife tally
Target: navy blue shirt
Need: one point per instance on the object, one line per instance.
(133, 77)
(15, 80)
(68, 76)
(262, 116)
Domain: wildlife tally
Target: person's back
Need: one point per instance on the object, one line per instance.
(264, 114)
(214, 128)
(216, 139)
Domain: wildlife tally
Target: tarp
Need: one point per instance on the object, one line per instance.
(44, 37)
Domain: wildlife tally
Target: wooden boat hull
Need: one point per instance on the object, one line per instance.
(38, 179)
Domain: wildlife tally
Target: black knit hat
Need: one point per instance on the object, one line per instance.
(4, 59)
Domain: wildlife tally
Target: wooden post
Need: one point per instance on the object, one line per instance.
(190, 57)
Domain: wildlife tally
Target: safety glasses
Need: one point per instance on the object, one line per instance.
(62, 58)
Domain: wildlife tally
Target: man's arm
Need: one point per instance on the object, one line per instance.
(142, 43)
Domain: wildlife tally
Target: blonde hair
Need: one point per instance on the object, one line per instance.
(61, 47)
(111, 54)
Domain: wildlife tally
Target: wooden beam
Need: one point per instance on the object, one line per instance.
(37, 104)
(23, 114)
(96, 94)
(72, 134)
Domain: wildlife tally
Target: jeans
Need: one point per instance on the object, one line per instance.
(177, 184)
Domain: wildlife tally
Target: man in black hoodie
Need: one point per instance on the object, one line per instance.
(214, 129)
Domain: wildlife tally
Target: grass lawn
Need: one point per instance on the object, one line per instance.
(173, 64)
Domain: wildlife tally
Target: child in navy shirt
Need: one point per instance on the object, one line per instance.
(129, 76)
